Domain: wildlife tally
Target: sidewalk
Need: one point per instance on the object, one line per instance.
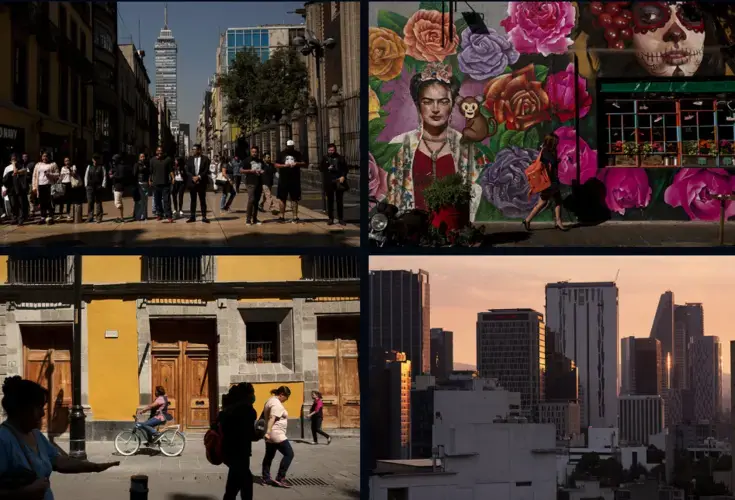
(316, 472)
(225, 229)
(609, 234)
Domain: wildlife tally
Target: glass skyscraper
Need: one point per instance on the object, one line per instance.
(166, 71)
(262, 40)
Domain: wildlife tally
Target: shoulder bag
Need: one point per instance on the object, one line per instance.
(20, 477)
(538, 176)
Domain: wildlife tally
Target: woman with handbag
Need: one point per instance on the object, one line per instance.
(27, 458)
(550, 161)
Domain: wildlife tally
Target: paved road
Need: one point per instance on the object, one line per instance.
(191, 477)
(226, 229)
(609, 234)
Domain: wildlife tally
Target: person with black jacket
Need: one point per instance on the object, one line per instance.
(334, 171)
(197, 170)
(95, 179)
(237, 420)
(142, 176)
(17, 189)
(161, 181)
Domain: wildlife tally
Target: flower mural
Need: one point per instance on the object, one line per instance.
(521, 72)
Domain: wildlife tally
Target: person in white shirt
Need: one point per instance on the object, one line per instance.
(45, 174)
(276, 416)
(8, 188)
(67, 172)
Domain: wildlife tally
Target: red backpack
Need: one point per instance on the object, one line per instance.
(213, 440)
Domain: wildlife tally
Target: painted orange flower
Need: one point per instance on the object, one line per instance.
(386, 53)
(423, 36)
(373, 105)
(517, 99)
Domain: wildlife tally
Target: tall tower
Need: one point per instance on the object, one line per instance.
(585, 318)
(166, 70)
(663, 331)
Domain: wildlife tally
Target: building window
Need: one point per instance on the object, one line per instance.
(74, 35)
(44, 74)
(63, 92)
(40, 270)
(523, 483)
(20, 75)
(83, 43)
(102, 122)
(397, 494)
(75, 99)
(178, 269)
(102, 37)
(330, 268)
(263, 342)
(231, 39)
(63, 20)
(84, 115)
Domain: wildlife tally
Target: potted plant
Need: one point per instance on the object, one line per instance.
(707, 147)
(630, 153)
(691, 148)
(448, 201)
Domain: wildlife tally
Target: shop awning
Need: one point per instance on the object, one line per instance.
(708, 87)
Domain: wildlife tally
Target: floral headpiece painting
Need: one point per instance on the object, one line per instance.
(448, 98)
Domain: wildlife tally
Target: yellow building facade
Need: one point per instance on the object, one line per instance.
(195, 325)
(45, 93)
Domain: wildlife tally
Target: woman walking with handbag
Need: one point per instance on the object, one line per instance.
(316, 414)
(550, 161)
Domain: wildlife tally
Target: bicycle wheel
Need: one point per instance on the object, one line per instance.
(127, 443)
(172, 443)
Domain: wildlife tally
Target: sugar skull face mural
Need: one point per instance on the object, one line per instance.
(450, 98)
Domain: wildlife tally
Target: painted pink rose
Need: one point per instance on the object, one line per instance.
(693, 188)
(377, 180)
(540, 27)
(560, 87)
(625, 188)
(566, 150)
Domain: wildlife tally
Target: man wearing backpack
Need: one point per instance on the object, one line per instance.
(230, 441)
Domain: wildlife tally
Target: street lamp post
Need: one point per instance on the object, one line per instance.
(310, 45)
(77, 432)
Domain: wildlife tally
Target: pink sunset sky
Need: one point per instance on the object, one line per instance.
(463, 286)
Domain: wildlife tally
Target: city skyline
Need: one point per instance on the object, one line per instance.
(697, 279)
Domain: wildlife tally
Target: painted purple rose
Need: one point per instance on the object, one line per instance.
(485, 55)
(566, 150)
(504, 183)
(693, 188)
(377, 180)
(625, 188)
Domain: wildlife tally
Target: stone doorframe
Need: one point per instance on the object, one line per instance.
(34, 315)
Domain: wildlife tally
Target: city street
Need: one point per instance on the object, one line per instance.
(316, 472)
(609, 234)
(225, 229)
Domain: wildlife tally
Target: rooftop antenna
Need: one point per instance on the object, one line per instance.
(165, 16)
(140, 45)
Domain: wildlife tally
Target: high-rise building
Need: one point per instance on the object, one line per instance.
(663, 330)
(706, 377)
(442, 353)
(399, 316)
(511, 349)
(585, 318)
(562, 380)
(688, 324)
(166, 52)
(390, 414)
(641, 366)
(640, 417)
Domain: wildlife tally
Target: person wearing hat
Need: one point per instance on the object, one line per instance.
(289, 163)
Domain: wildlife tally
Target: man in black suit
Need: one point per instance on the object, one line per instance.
(198, 169)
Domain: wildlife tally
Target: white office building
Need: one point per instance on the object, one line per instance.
(584, 319)
(640, 417)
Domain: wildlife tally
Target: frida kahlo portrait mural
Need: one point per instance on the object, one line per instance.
(640, 95)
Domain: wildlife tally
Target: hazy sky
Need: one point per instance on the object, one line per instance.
(463, 286)
(196, 27)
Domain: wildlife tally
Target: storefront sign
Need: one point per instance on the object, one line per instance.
(9, 133)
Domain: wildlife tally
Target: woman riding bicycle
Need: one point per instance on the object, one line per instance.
(158, 415)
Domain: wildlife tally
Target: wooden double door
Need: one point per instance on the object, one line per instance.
(47, 361)
(184, 362)
(339, 376)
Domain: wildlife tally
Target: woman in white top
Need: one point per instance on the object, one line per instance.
(67, 172)
(276, 416)
(45, 174)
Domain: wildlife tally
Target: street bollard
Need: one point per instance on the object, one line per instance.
(138, 487)
(78, 213)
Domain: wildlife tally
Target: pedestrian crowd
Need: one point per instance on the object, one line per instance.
(49, 190)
